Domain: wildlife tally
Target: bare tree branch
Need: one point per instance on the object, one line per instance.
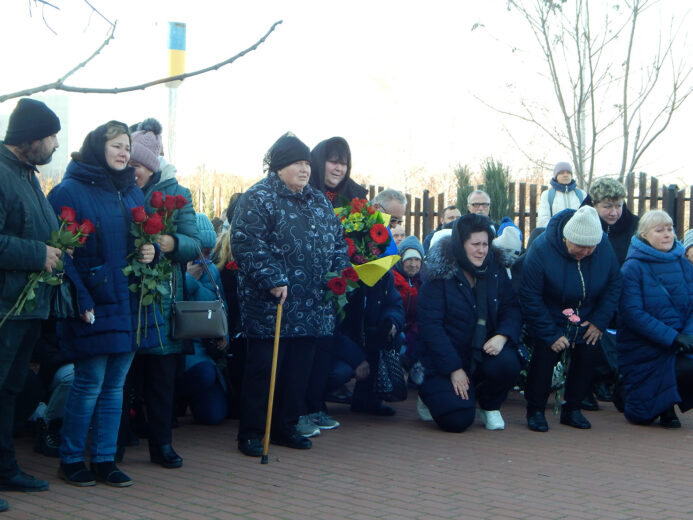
(60, 85)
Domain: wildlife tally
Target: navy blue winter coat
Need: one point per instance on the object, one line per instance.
(447, 317)
(285, 238)
(552, 280)
(98, 265)
(656, 305)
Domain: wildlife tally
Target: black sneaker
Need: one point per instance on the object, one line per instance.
(23, 482)
(574, 418)
(250, 447)
(108, 473)
(537, 422)
(76, 474)
(4, 506)
(295, 441)
(669, 419)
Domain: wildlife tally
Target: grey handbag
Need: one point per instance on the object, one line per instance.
(195, 319)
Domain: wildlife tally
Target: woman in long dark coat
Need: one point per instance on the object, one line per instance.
(655, 335)
(469, 322)
(285, 239)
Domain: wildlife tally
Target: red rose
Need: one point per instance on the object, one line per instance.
(170, 203)
(351, 247)
(67, 214)
(337, 285)
(358, 259)
(157, 199)
(379, 234)
(138, 214)
(371, 210)
(73, 228)
(181, 201)
(350, 274)
(82, 239)
(357, 205)
(231, 266)
(86, 227)
(153, 225)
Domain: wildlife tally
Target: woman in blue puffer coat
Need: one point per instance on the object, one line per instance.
(469, 322)
(100, 186)
(655, 335)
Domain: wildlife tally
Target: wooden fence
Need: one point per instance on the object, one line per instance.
(643, 194)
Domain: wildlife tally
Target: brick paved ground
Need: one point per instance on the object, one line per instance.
(395, 468)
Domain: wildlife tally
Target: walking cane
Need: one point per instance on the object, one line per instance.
(273, 376)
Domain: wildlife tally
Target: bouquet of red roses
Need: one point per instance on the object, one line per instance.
(365, 231)
(153, 280)
(71, 234)
(338, 285)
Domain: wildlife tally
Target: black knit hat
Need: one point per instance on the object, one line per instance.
(287, 150)
(31, 120)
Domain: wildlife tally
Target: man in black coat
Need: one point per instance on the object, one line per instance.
(26, 222)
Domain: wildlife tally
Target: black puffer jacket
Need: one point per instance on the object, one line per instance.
(284, 238)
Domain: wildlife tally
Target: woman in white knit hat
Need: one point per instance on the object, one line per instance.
(569, 291)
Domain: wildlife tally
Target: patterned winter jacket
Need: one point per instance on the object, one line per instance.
(284, 238)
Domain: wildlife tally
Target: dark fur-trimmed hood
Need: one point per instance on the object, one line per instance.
(440, 260)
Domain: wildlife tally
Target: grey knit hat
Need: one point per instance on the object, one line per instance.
(584, 227)
(562, 167)
(687, 240)
(606, 188)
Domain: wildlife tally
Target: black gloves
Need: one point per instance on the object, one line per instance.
(684, 343)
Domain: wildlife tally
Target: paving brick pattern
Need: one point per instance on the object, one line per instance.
(394, 468)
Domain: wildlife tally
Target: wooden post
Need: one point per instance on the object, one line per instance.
(511, 197)
(654, 193)
(408, 216)
(532, 206)
(630, 189)
(642, 194)
(417, 217)
(680, 212)
(441, 206)
(523, 199)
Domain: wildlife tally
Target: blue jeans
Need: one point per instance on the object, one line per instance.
(95, 398)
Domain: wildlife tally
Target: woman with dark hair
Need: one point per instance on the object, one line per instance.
(469, 322)
(330, 173)
(655, 334)
(569, 272)
(100, 186)
(285, 239)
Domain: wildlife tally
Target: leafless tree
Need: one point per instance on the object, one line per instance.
(607, 96)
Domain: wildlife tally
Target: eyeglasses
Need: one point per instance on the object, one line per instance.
(480, 204)
(395, 220)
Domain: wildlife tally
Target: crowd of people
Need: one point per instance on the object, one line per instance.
(603, 295)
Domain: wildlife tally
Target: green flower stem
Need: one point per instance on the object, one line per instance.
(34, 279)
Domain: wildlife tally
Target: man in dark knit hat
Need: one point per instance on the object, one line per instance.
(26, 222)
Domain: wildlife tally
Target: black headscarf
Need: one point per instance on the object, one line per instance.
(93, 152)
(347, 189)
(461, 231)
(286, 150)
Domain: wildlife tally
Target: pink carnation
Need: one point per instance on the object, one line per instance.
(568, 312)
(574, 318)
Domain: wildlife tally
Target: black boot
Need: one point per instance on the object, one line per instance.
(589, 403)
(48, 437)
(669, 420)
(537, 422)
(573, 417)
(165, 455)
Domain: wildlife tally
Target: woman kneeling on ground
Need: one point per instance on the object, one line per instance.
(469, 321)
(655, 336)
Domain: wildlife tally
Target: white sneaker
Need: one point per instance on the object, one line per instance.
(422, 409)
(492, 419)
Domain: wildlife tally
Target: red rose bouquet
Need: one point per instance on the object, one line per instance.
(339, 285)
(365, 231)
(71, 234)
(153, 281)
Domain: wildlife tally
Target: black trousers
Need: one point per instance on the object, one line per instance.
(151, 379)
(684, 381)
(319, 374)
(17, 341)
(294, 361)
(578, 378)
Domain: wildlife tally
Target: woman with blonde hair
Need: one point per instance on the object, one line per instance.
(655, 336)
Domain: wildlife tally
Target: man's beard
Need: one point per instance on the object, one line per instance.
(35, 153)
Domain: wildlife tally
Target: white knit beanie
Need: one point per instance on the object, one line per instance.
(411, 253)
(584, 227)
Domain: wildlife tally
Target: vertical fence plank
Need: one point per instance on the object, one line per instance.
(371, 192)
(441, 207)
(408, 216)
(523, 197)
(417, 217)
(511, 198)
(680, 212)
(642, 194)
(654, 192)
